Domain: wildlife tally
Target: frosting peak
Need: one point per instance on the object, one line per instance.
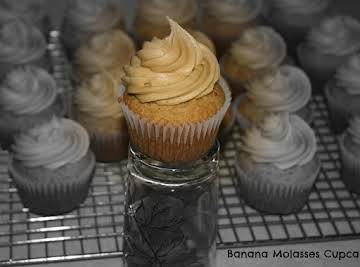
(339, 35)
(354, 130)
(348, 76)
(283, 140)
(52, 145)
(173, 70)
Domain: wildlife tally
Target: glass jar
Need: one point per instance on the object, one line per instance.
(170, 212)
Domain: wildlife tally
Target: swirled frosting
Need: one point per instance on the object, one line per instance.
(283, 140)
(98, 97)
(30, 10)
(52, 145)
(172, 71)
(234, 11)
(259, 47)
(93, 15)
(20, 42)
(156, 11)
(339, 35)
(300, 6)
(27, 90)
(354, 130)
(348, 76)
(106, 50)
(286, 89)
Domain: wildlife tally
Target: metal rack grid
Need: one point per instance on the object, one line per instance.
(95, 229)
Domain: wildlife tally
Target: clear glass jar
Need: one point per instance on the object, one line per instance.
(170, 212)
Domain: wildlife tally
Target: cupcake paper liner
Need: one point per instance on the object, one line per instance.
(350, 171)
(53, 197)
(170, 143)
(269, 195)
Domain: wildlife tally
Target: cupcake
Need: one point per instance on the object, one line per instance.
(287, 89)
(225, 20)
(257, 51)
(174, 102)
(327, 47)
(293, 19)
(52, 166)
(150, 20)
(28, 97)
(21, 43)
(108, 51)
(96, 108)
(86, 18)
(204, 39)
(343, 94)
(350, 155)
(277, 164)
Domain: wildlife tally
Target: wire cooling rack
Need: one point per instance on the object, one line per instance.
(94, 230)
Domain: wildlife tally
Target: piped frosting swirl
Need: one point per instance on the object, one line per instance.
(27, 90)
(283, 140)
(300, 6)
(20, 42)
(173, 70)
(287, 89)
(52, 145)
(354, 130)
(348, 76)
(258, 48)
(339, 35)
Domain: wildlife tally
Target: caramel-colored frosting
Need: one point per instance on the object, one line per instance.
(348, 76)
(354, 130)
(173, 70)
(283, 140)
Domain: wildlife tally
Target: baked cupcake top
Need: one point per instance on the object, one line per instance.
(30, 10)
(172, 71)
(20, 42)
(285, 89)
(348, 76)
(93, 15)
(51, 145)
(27, 90)
(233, 11)
(156, 11)
(105, 50)
(338, 35)
(258, 48)
(300, 6)
(282, 140)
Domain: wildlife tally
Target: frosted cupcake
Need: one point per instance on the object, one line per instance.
(287, 89)
(28, 97)
(108, 51)
(174, 102)
(257, 51)
(350, 155)
(293, 19)
(225, 20)
(52, 167)
(86, 18)
(151, 16)
(327, 47)
(204, 39)
(343, 94)
(97, 109)
(277, 164)
(21, 43)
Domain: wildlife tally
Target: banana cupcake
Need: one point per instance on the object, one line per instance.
(327, 46)
(21, 43)
(96, 108)
(104, 52)
(277, 164)
(343, 94)
(287, 89)
(225, 20)
(52, 166)
(86, 18)
(151, 16)
(173, 102)
(28, 97)
(257, 51)
(350, 155)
